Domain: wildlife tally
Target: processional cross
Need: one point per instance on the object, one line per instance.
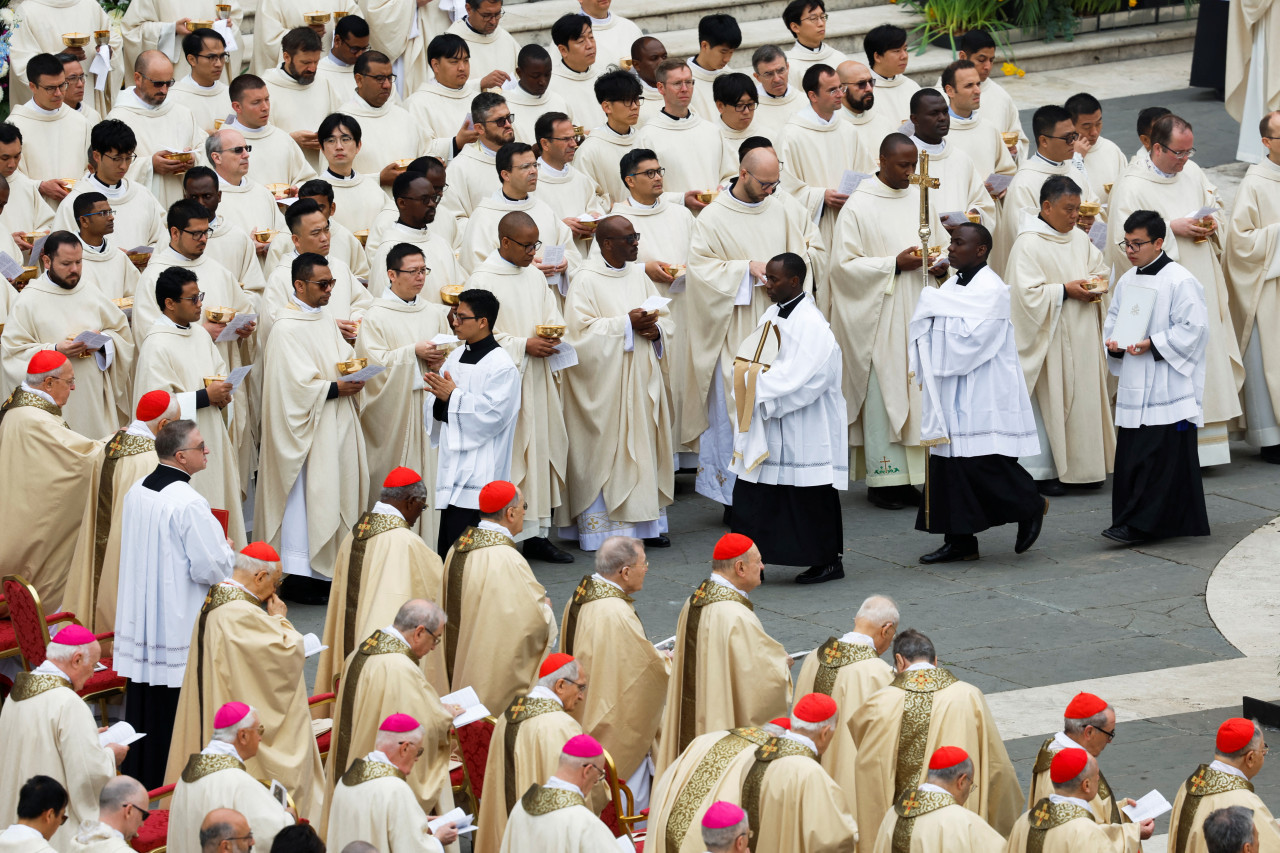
(923, 180)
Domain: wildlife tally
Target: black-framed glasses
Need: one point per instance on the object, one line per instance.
(581, 685)
(508, 120)
(528, 247)
(140, 810)
(237, 150)
(72, 79)
(489, 16)
(1070, 138)
(240, 837)
(651, 174)
(1111, 735)
(629, 239)
(381, 78)
(159, 84)
(221, 57)
(461, 317)
(355, 49)
(322, 283)
(1185, 153)
(435, 197)
(198, 234)
(194, 300)
(107, 212)
(869, 83)
(748, 107)
(200, 447)
(60, 87)
(764, 185)
(123, 159)
(415, 271)
(1126, 245)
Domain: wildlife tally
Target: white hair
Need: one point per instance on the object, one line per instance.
(569, 672)
(1254, 743)
(227, 734)
(812, 730)
(387, 741)
(722, 837)
(616, 552)
(1077, 727)
(252, 565)
(419, 613)
(33, 380)
(878, 609)
(774, 729)
(952, 773)
(1073, 784)
(62, 653)
(171, 413)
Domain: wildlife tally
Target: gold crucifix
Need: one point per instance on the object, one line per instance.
(922, 179)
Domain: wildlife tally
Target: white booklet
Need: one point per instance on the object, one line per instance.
(237, 323)
(364, 374)
(470, 702)
(312, 645)
(461, 820)
(1134, 315)
(92, 340)
(666, 645)
(1150, 807)
(235, 377)
(9, 268)
(999, 182)
(565, 356)
(121, 733)
(654, 303)
(849, 181)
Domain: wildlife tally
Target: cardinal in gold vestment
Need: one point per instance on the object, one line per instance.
(931, 817)
(1063, 822)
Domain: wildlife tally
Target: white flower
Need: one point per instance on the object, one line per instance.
(4, 67)
(9, 17)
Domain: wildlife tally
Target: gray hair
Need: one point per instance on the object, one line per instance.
(62, 653)
(722, 838)
(170, 439)
(616, 552)
(118, 791)
(252, 565)
(1248, 747)
(1077, 727)
(213, 145)
(389, 740)
(404, 493)
(812, 730)
(766, 53)
(569, 672)
(1228, 830)
(878, 609)
(914, 647)
(227, 734)
(949, 775)
(515, 501)
(214, 834)
(1073, 784)
(419, 612)
(33, 380)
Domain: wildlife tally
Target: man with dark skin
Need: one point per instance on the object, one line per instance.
(517, 244)
(898, 160)
(619, 246)
(646, 55)
(96, 223)
(347, 48)
(418, 207)
(186, 311)
(534, 74)
(932, 120)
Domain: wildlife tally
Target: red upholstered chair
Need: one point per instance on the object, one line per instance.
(153, 835)
(473, 747)
(9, 634)
(618, 814)
(32, 630)
(323, 741)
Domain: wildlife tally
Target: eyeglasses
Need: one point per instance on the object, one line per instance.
(528, 247)
(1133, 245)
(421, 749)
(345, 139)
(748, 107)
(75, 78)
(423, 199)
(357, 49)
(488, 16)
(159, 84)
(140, 810)
(462, 317)
(416, 272)
(61, 87)
(563, 138)
(581, 685)
(508, 120)
(764, 185)
(381, 78)
(200, 447)
(201, 234)
(107, 212)
(823, 16)
(651, 174)
(323, 283)
(121, 158)
(869, 83)
(1070, 138)
(629, 239)
(773, 75)
(194, 300)
(1184, 154)
(240, 837)
(842, 89)
(212, 57)
(238, 150)
(435, 638)
(1111, 735)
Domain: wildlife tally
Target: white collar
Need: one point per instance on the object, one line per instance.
(21, 830)
(202, 88)
(817, 49)
(858, 639)
(715, 578)
(1224, 767)
(379, 508)
(306, 309)
(540, 692)
(98, 249)
(931, 147)
(937, 789)
(631, 200)
(561, 785)
(391, 630)
(603, 579)
(218, 747)
(223, 182)
(920, 665)
(1075, 801)
(392, 295)
(1061, 741)
(595, 22)
(92, 830)
(800, 739)
(1158, 171)
(378, 757)
(1054, 163)
(1268, 163)
(107, 189)
(336, 61)
(37, 392)
(552, 170)
(877, 75)
(237, 584)
(50, 668)
(140, 428)
(36, 108)
(810, 112)
(486, 524)
(131, 92)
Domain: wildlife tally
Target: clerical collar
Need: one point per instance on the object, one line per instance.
(933, 789)
(970, 117)
(392, 630)
(561, 785)
(963, 277)
(100, 249)
(238, 585)
(164, 318)
(223, 182)
(611, 266)
(858, 639)
(37, 392)
(878, 76)
(486, 150)
(165, 475)
(140, 429)
(1158, 170)
(1268, 163)
(219, 747)
(1155, 266)
(921, 665)
(481, 348)
(1057, 164)
(109, 190)
(785, 309)
(204, 88)
(733, 184)
(509, 200)
(720, 579)
(391, 294)
(466, 19)
(378, 757)
(800, 739)
(36, 108)
(49, 668)
(131, 92)
(631, 200)
(684, 117)
(486, 524)
(602, 579)
(336, 61)
(571, 69)
(304, 307)
(351, 177)
(552, 170)
(1057, 799)
(810, 49)
(1061, 741)
(762, 91)
(810, 112)
(19, 831)
(407, 227)
(1224, 767)
(931, 147)
(380, 508)
(540, 692)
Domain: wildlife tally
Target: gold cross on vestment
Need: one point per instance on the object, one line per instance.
(517, 708)
(909, 804)
(832, 654)
(769, 748)
(465, 539)
(1042, 814)
(363, 527)
(581, 591)
(1197, 781)
(699, 594)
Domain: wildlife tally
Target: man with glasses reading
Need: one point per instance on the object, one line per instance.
(390, 133)
(139, 218)
(202, 91)
(56, 136)
(1163, 184)
(555, 816)
(216, 779)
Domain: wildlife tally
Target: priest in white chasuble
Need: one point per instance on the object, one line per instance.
(615, 397)
(849, 670)
(56, 135)
(386, 671)
(733, 238)
(390, 134)
(780, 99)
(443, 104)
(931, 817)
(1252, 85)
(277, 158)
(976, 418)
(202, 91)
(527, 743)
(381, 564)
(719, 36)
(243, 627)
(1062, 821)
(729, 671)
(530, 92)
(164, 24)
(244, 203)
(1239, 752)
(555, 816)
(274, 20)
(540, 445)
(961, 186)
(472, 173)
(49, 730)
(858, 108)
(870, 300)
(398, 31)
(790, 801)
(688, 143)
(42, 804)
(26, 209)
(1251, 264)
(736, 99)
(1086, 722)
(373, 801)
(105, 265)
(297, 95)
(817, 147)
(1051, 269)
(492, 47)
(488, 583)
(43, 23)
(1055, 155)
(309, 412)
(163, 128)
(567, 190)
(516, 166)
(790, 450)
(807, 21)
(396, 333)
(575, 74)
(887, 54)
(420, 223)
(1163, 184)
(979, 47)
(54, 310)
(218, 777)
(472, 421)
(619, 94)
(229, 244)
(1103, 160)
(37, 446)
(180, 357)
(944, 712)
(972, 131)
(129, 456)
(602, 631)
(357, 198)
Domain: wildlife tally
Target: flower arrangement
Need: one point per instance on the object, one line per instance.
(10, 20)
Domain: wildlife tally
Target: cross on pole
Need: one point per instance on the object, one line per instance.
(926, 182)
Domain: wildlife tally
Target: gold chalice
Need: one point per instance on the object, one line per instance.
(219, 314)
(213, 380)
(69, 183)
(32, 236)
(626, 63)
(708, 196)
(199, 25)
(675, 270)
(182, 156)
(278, 190)
(973, 217)
(25, 276)
(101, 37)
(1009, 138)
(314, 18)
(217, 123)
(449, 293)
(263, 235)
(352, 365)
(223, 11)
(550, 331)
(1090, 208)
(1106, 188)
(139, 259)
(362, 235)
(76, 39)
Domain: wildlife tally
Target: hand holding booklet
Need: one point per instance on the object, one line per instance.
(472, 708)
(1150, 807)
(1134, 314)
(121, 733)
(461, 820)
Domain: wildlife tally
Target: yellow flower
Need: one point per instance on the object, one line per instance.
(1011, 70)
(1133, 3)
(1021, 73)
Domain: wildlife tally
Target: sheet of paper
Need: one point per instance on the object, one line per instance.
(237, 323)
(565, 356)
(625, 843)
(461, 821)
(101, 67)
(1136, 304)
(280, 792)
(1202, 212)
(237, 376)
(92, 340)
(223, 28)
(121, 733)
(443, 340)
(552, 255)
(36, 248)
(954, 217)
(364, 374)
(655, 303)
(849, 181)
(799, 656)
(1149, 807)
(679, 284)
(1098, 235)
(142, 250)
(9, 268)
(467, 698)
(998, 182)
(311, 645)
(666, 645)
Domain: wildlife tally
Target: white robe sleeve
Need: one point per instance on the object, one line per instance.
(478, 416)
(964, 345)
(210, 556)
(1182, 345)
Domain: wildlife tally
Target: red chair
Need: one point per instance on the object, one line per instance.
(618, 814)
(473, 747)
(32, 630)
(323, 741)
(9, 635)
(153, 835)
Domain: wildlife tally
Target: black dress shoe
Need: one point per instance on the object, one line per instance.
(821, 574)
(908, 494)
(659, 541)
(1125, 535)
(1091, 486)
(303, 590)
(884, 498)
(540, 548)
(1271, 453)
(1051, 488)
(949, 553)
(1029, 529)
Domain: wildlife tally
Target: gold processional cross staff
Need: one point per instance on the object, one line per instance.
(922, 179)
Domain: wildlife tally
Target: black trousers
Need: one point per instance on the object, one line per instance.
(454, 520)
(151, 709)
(1157, 488)
(965, 495)
(791, 525)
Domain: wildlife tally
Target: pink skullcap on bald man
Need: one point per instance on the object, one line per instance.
(230, 714)
(496, 496)
(261, 551)
(46, 360)
(731, 546)
(74, 635)
(399, 723)
(152, 405)
(583, 746)
(723, 814)
(1067, 765)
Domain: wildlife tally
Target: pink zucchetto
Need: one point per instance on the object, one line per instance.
(723, 814)
(399, 723)
(74, 635)
(230, 714)
(583, 746)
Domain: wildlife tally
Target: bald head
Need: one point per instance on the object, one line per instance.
(760, 159)
(859, 95)
(220, 147)
(151, 70)
(120, 790)
(611, 237)
(518, 238)
(221, 825)
(516, 220)
(615, 226)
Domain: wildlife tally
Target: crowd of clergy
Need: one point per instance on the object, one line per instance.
(368, 323)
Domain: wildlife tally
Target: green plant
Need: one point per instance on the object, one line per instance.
(1056, 17)
(114, 7)
(943, 20)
